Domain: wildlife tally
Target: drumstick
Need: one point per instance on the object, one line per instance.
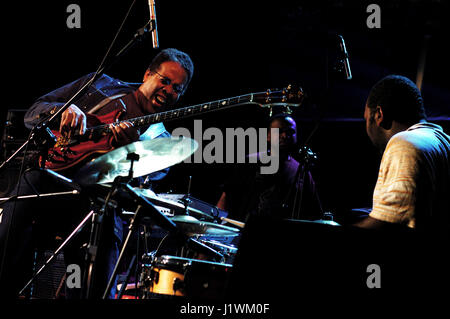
(234, 222)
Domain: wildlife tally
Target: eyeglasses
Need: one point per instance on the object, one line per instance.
(178, 89)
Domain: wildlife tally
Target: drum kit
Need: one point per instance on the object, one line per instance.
(208, 246)
(201, 261)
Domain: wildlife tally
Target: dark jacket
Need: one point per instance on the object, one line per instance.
(105, 86)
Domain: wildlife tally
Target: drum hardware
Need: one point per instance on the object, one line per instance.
(120, 166)
(37, 196)
(144, 206)
(186, 199)
(127, 278)
(175, 207)
(192, 226)
(197, 208)
(97, 229)
(228, 251)
(114, 198)
(111, 165)
(327, 222)
(183, 277)
(65, 180)
(328, 218)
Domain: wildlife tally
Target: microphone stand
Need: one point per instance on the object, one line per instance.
(37, 196)
(58, 250)
(41, 134)
(305, 161)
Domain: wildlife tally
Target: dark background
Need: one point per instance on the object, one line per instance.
(243, 47)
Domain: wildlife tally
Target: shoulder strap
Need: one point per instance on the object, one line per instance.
(104, 102)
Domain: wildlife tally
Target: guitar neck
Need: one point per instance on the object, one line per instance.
(183, 112)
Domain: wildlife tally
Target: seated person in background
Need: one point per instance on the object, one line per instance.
(289, 193)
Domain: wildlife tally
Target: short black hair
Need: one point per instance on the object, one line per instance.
(280, 116)
(174, 55)
(399, 98)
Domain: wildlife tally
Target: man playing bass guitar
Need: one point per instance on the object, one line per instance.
(109, 101)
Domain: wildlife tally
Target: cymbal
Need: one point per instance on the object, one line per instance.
(154, 155)
(192, 226)
(171, 204)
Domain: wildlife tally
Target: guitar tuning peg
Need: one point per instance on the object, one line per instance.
(288, 110)
(286, 94)
(295, 93)
(268, 94)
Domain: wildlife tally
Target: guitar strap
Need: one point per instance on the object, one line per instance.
(104, 102)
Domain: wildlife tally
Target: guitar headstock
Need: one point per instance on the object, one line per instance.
(293, 94)
(286, 98)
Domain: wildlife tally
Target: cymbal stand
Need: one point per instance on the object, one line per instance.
(127, 277)
(131, 228)
(186, 198)
(142, 204)
(97, 232)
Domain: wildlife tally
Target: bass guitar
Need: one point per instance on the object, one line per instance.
(97, 139)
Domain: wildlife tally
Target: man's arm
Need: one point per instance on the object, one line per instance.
(394, 194)
(372, 223)
(50, 102)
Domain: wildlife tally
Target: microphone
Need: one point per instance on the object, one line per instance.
(151, 4)
(345, 61)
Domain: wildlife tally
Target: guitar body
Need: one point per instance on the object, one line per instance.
(68, 153)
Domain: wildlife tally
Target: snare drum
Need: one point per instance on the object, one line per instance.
(185, 277)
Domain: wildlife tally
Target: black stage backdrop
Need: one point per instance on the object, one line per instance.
(244, 47)
(240, 47)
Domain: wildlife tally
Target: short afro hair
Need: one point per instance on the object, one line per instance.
(399, 98)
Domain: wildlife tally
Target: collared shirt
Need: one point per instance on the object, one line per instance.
(413, 186)
(132, 103)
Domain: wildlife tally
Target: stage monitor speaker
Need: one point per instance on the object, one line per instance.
(50, 284)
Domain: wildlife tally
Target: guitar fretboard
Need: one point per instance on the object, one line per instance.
(182, 112)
